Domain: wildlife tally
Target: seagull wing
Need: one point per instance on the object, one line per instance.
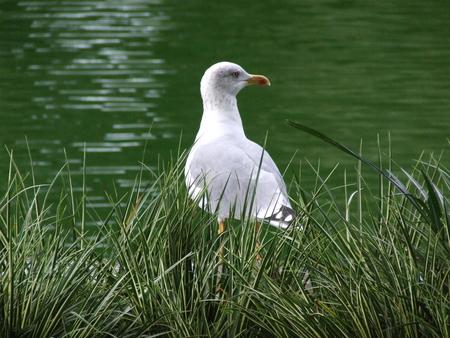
(236, 179)
(259, 155)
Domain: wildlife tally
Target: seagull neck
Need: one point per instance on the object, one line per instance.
(221, 116)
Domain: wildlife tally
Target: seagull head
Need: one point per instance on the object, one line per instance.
(226, 78)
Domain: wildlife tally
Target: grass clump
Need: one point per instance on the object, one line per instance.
(372, 261)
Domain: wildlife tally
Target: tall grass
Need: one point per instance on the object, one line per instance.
(372, 260)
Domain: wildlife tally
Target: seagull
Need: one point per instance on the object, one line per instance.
(226, 173)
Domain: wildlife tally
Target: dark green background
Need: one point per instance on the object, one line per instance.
(103, 72)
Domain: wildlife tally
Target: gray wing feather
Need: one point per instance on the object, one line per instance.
(255, 151)
(231, 176)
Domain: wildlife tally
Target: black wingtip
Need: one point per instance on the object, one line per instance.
(283, 218)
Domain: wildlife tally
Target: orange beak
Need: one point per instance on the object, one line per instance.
(259, 80)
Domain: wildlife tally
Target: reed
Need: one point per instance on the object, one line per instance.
(372, 260)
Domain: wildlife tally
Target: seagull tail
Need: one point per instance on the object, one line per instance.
(283, 218)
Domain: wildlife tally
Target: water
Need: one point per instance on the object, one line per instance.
(111, 76)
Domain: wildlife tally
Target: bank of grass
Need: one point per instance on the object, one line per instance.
(372, 261)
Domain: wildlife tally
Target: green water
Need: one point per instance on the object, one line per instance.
(100, 73)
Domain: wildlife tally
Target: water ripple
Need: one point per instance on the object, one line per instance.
(95, 79)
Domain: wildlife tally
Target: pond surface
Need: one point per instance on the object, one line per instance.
(111, 76)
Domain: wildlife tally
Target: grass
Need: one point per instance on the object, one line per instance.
(372, 260)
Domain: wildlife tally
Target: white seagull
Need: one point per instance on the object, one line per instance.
(225, 172)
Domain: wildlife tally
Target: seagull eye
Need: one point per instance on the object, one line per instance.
(235, 74)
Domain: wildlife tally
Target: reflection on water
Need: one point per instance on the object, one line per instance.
(108, 77)
(84, 77)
